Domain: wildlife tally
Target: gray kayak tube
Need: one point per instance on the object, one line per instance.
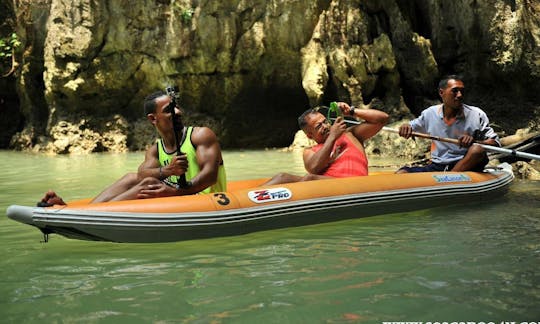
(22, 214)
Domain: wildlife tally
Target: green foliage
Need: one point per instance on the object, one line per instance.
(8, 45)
(187, 14)
(184, 11)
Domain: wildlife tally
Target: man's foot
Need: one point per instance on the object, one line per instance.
(51, 198)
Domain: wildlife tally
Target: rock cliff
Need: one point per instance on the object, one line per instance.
(247, 68)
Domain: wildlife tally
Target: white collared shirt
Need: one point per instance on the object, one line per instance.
(431, 121)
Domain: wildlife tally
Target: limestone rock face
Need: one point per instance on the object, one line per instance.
(524, 170)
(248, 68)
(81, 138)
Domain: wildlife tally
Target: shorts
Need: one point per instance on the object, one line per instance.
(438, 167)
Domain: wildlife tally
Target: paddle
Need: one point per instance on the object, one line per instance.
(172, 92)
(497, 149)
(492, 148)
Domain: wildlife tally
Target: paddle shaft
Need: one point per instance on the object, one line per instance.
(182, 182)
(171, 92)
(492, 148)
(415, 134)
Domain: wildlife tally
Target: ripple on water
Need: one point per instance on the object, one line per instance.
(474, 262)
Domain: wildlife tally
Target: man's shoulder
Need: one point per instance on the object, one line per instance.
(433, 108)
(432, 111)
(152, 150)
(201, 130)
(465, 106)
(473, 109)
(202, 134)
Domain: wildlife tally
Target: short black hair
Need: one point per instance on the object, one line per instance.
(302, 118)
(444, 81)
(150, 102)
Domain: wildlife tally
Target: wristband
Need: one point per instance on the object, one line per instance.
(189, 184)
(351, 111)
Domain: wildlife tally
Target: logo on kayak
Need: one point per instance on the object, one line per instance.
(268, 195)
(452, 178)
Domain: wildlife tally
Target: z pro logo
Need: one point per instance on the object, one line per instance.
(268, 195)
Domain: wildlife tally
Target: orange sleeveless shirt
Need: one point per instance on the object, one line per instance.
(348, 160)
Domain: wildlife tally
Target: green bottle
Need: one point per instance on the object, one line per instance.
(334, 111)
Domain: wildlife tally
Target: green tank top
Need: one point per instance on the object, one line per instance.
(193, 167)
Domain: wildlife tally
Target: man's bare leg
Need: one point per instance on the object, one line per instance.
(282, 178)
(474, 157)
(288, 178)
(134, 190)
(119, 187)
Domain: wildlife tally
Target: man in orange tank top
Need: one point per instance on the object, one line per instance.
(340, 149)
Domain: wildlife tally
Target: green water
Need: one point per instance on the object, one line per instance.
(478, 262)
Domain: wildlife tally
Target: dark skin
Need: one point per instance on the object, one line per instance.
(145, 183)
(452, 97)
(208, 154)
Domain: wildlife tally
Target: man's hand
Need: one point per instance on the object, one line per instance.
(345, 108)
(465, 140)
(155, 190)
(405, 130)
(337, 129)
(178, 165)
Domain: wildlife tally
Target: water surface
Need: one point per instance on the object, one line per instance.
(477, 262)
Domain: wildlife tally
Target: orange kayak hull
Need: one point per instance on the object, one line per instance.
(248, 207)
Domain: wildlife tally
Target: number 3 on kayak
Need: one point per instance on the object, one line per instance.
(222, 199)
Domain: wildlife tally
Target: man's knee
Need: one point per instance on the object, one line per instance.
(476, 158)
(130, 178)
(148, 181)
(477, 154)
(476, 151)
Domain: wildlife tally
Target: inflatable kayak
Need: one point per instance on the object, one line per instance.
(248, 207)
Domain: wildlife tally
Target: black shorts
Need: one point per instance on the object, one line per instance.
(438, 167)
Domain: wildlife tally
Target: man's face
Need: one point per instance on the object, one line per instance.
(163, 114)
(317, 127)
(452, 95)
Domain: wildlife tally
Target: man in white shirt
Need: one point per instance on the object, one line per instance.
(453, 119)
